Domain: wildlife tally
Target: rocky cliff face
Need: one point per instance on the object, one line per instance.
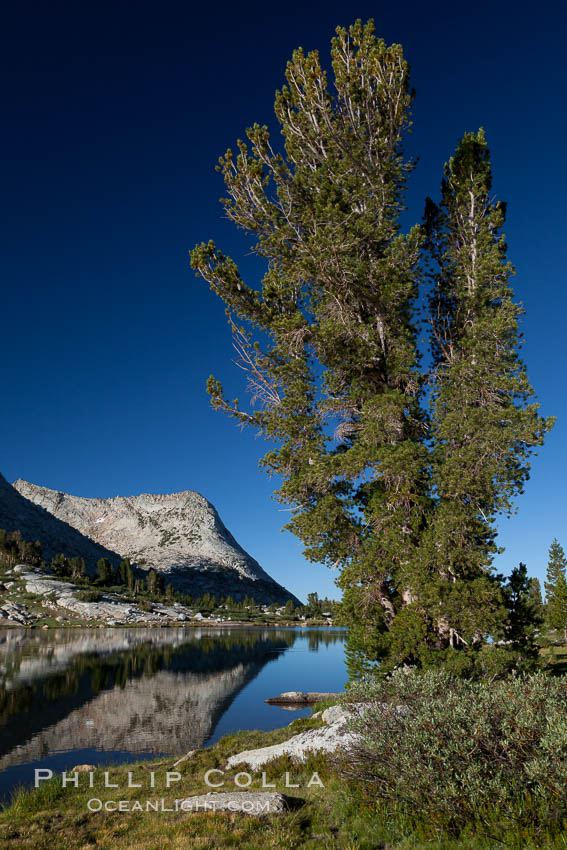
(19, 514)
(181, 535)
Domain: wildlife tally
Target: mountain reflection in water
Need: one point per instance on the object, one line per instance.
(143, 691)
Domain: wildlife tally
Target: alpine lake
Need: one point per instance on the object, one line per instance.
(110, 696)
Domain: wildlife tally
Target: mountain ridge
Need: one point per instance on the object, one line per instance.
(35, 523)
(181, 535)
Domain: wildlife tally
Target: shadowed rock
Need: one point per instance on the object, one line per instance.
(17, 513)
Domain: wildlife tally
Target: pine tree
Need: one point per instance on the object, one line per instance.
(484, 423)
(334, 361)
(30, 553)
(289, 608)
(401, 498)
(314, 605)
(523, 618)
(152, 581)
(556, 589)
(78, 568)
(105, 571)
(126, 573)
(60, 565)
(536, 600)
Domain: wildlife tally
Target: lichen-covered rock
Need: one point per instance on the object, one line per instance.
(326, 739)
(247, 802)
(334, 714)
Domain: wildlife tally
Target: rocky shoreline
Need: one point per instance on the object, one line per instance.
(33, 599)
(327, 737)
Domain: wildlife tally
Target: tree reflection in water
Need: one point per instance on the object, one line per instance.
(135, 690)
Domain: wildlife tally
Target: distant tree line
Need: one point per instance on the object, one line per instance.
(208, 604)
(130, 579)
(14, 550)
(123, 577)
(527, 612)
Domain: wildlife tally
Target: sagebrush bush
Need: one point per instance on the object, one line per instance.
(452, 751)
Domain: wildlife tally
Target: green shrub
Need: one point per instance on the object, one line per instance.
(89, 596)
(454, 752)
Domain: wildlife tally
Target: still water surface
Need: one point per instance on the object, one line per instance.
(115, 695)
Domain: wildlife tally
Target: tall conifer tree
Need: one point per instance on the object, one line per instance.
(556, 588)
(402, 499)
(537, 600)
(522, 617)
(334, 359)
(484, 423)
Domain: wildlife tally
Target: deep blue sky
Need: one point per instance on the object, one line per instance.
(113, 117)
